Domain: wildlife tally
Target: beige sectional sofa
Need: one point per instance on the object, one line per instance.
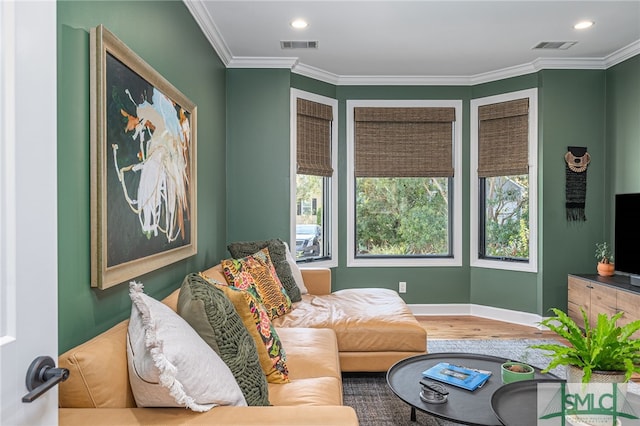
(325, 334)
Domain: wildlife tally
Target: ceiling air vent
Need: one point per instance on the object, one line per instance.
(299, 44)
(554, 45)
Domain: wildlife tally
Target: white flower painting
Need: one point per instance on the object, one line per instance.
(160, 198)
(143, 165)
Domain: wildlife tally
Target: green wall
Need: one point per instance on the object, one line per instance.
(506, 289)
(573, 107)
(258, 154)
(165, 35)
(424, 285)
(571, 112)
(623, 127)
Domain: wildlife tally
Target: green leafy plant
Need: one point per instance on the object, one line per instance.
(603, 347)
(603, 253)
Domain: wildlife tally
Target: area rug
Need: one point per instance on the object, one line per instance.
(376, 405)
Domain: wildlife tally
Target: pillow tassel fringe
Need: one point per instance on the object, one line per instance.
(167, 369)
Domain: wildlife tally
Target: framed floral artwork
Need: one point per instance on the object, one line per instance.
(143, 166)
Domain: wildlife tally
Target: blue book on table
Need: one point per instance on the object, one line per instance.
(457, 375)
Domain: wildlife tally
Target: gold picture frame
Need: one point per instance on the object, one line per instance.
(143, 166)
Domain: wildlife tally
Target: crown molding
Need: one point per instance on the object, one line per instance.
(415, 80)
(261, 62)
(317, 74)
(501, 74)
(211, 32)
(389, 80)
(569, 64)
(209, 29)
(623, 54)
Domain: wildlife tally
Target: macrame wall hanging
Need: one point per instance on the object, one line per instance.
(576, 161)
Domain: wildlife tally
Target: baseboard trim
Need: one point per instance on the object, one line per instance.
(490, 312)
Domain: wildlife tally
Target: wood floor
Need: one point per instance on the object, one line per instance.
(470, 327)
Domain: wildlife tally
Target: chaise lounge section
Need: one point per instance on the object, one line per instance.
(374, 327)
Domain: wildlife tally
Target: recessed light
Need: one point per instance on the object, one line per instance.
(583, 25)
(299, 24)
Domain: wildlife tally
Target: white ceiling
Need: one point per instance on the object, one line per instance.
(451, 41)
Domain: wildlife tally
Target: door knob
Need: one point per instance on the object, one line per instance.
(42, 376)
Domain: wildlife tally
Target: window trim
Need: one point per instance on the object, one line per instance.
(332, 261)
(456, 230)
(525, 266)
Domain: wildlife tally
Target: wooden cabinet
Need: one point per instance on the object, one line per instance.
(578, 296)
(630, 305)
(607, 295)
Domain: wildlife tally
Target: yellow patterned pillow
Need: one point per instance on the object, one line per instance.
(270, 351)
(257, 275)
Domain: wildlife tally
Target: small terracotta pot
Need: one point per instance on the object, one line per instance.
(606, 269)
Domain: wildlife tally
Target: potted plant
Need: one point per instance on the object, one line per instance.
(605, 259)
(603, 348)
(513, 371)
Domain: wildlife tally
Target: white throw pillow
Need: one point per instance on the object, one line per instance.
(169, 363)
(295, 271)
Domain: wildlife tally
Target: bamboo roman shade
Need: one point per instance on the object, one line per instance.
(404, 142)
(503, 139)
(313, 151)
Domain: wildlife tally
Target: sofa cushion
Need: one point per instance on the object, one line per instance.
(311, 352)
(314, 368)
(256, 274)
(86, 386)
(214, 318)
(273, 359)
(364, 320)
(314, 391)
(278, 253)
(161, 372)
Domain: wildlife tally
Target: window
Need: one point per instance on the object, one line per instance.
(403, 193)
(504, 181)
(314, 209)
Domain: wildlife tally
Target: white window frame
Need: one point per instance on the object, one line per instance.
(333, 209)
(456, 226)
(476, 261)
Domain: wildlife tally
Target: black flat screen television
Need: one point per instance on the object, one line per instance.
(627, 236)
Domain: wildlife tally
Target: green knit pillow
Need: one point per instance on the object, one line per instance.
(278, 253)
(215, 319)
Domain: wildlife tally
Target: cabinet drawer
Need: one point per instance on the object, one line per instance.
(629, 303)
(603, 300)
(579, 292)
(574, 313)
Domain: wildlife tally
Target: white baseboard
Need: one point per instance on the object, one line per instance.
(499, 314)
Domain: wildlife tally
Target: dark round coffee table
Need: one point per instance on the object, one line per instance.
(462, 406)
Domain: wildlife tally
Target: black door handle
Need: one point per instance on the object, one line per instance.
(42, 376)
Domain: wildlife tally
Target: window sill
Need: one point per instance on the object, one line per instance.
(507, 266)
(399, 262)
(330, 263)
